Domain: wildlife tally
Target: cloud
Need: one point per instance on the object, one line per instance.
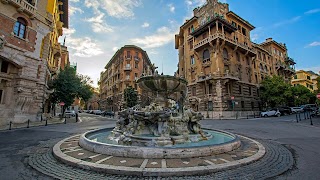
(69, 31)
(98, 25)
(73, 10)
(83, 47)
(254, 37)
(313, 44)
(145, 25)
(312, 11)
(114, 8)
(171, 8)
(162, 37)
(115, 49)
(74, 1)
(289, 21)
(194, 3)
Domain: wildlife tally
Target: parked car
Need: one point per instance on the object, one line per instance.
(270, 112)
(284, 110)
(309, 107)
(70, 113)
(108, 113)
(296, 109)
(97, 112)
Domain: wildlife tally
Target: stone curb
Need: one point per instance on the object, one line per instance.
(164, 172)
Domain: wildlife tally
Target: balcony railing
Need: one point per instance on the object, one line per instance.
(127, 68)
(24, 6)
(222, 36)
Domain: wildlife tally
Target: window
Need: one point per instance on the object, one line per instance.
(192, 60)
(238, 57)
(20, 28)
(1, 96)
(259, 55)
(206, 56)
(234, 24)
(4, 66)
(136, 65)
(193, 91)
(295, 77)
(244, 31)
(135, 86)
(250, 91)
(252, 105)
(264, 57)
(204, 35)
(240, 89)
(225, 54)
(128, 55)
(248, 61)
(210, 89)
(210, 106)
(308, 77)
(242, 104)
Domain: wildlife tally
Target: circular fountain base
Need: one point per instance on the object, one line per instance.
(68, 151)
(188, 150)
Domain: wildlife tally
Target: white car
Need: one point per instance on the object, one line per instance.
(296, 109)
(97, 112)
(271, 112)
(70, 113)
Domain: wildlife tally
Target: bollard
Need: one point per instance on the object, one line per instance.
(247, 116)
(46, 122)
(28, 123)
(10, 125)
(65, 120)
(304, 113)
(297, 118)
(311, 123)
(76, 117)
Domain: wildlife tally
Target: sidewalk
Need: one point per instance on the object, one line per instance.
(54, 120)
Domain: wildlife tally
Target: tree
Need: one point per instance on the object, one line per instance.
(130, 96)
(68, 85)
(302, 95)
(274, 91)
(318, 84)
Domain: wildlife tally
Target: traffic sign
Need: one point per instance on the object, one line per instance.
(318, 96)
(61, 103)
(232, 97)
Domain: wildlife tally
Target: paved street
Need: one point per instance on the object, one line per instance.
(301, 138)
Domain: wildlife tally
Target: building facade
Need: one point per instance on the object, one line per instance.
(307, 79)
(221, 64)
(24, 58)
(125, 67)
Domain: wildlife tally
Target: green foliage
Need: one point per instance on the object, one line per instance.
(68, 85)
(318, 84)
(302, 95)
(274, 91)
(130, 96)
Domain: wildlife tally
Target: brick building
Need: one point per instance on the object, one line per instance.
(25, 53)
(126, 65)
(221, 64)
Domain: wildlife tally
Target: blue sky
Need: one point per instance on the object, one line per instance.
(99, 27)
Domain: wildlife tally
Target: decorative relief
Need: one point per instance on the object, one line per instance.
(2, 42)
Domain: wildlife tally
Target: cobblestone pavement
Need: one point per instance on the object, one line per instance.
(277, 160)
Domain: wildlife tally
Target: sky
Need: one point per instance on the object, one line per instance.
(98, 28)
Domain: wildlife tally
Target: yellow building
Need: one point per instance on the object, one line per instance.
(306, 78)
(221, 64)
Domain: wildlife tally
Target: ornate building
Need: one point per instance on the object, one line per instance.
(221, 64)
(26, 52)
(307, 79)
(126, 65)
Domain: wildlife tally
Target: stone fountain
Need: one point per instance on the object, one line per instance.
(162, 123)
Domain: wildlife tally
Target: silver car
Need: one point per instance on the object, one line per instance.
(296, 109)
(70, 113)
(271, 112)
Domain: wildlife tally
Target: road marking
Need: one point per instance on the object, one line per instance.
(163, 163)
(100, 161)
(123, 161)
(144, 163)
(153, 163)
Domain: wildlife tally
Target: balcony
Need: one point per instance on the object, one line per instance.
(23, 6)
(128, 57)
(127, 68)
(290, 61)
(242, 47)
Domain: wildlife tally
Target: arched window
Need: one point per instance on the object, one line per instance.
(20, 28)
(266, 68)
(225, 54)
(206, 56)
(238, 57)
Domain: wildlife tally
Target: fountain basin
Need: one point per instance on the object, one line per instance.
(221, 142)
